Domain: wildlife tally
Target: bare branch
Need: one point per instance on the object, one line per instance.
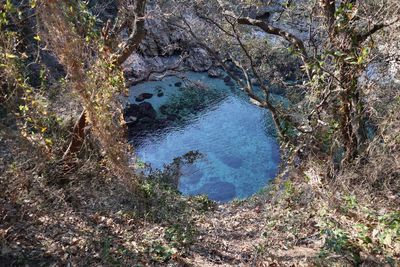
(296, 42)
(362, 37)
(137, 35)
(329, 8)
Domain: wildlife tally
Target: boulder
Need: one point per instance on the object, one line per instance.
(218, 191)
(131, 110)
(147, 110)
(178, 84)
(139, 68)
(199, 60)
(162, 39)
(232, 161)
(140, 111)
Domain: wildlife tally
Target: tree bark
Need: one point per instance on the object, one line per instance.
(137, 35)
(78, 136)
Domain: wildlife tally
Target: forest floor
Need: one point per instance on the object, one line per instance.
(238, 235)
(90, 221)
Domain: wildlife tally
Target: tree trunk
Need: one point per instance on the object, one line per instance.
(78, 136)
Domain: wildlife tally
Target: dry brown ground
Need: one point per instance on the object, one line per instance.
(89, 222)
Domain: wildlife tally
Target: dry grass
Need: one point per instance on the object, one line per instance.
(93, 78)
(90, 220)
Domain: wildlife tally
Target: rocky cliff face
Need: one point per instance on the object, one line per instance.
(165, 50)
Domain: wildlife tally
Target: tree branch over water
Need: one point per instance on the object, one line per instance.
(296, 42)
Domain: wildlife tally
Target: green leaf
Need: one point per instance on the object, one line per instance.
(33, 3)
(339, 53)
(48, 141)
(23, 108)
(388, 239)
(10, 55)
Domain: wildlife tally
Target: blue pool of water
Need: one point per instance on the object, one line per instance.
(236, 138)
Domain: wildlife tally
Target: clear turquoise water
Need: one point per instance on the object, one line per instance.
(241, 154)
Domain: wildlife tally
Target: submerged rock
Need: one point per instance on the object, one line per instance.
(227, 79)
(232, 161)
(142, 120)
(172, 117)
(143, 97)
(140, 111)
(194, 178)
(164, 110)
(230, 84)
(178, 84)
(218, 191)
(191, 174)
(160, 91)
